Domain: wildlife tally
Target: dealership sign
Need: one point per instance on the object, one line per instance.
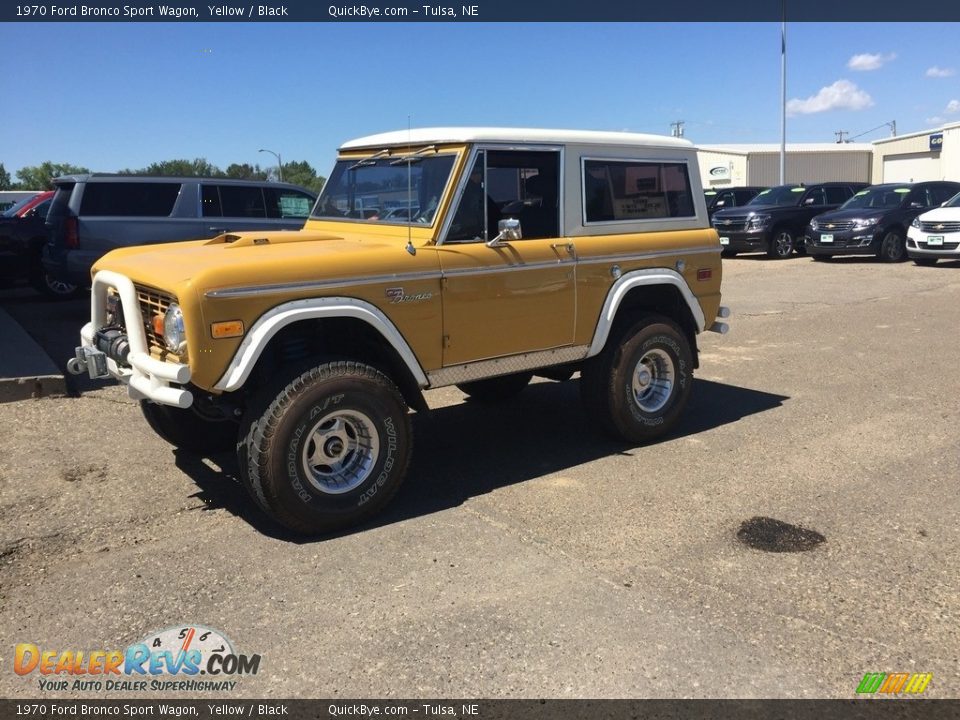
(936, 142)
(719, 172)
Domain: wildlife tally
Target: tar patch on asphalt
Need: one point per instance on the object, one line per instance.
(770, 535)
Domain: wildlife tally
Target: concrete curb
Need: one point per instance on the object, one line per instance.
(25, 369)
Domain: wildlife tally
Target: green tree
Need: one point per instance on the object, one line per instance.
(5, 182)
(245, 171)
(303, 174)
(198, 167)
(40, 177)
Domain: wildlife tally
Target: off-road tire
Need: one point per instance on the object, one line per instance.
(189, 430)
(496, 389)
(610, 382)
(783, 241)
(893, 248)
(329, 449)
(925, 262)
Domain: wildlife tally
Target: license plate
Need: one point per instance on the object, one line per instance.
(826, 238)
(724, 241)
(935, 240)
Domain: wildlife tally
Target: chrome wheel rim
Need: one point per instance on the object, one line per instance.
(340, 451)
(653, 380)
(784, 243)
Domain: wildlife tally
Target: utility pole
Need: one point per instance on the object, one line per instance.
(893, 128)
(840, 134)
(676, 129)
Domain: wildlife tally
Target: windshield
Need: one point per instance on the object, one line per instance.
(783, 195)
(953, 202)
(882, 197)
(13, 209)
(396, 190)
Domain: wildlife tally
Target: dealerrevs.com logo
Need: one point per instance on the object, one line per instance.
(182, 658)
(894, 683)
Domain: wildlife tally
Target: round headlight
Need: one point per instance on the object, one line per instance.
(173, 332)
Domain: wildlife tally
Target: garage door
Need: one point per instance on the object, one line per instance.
(915, 167)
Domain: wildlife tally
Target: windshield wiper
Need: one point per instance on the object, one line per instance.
(372, 160)
(414, 156)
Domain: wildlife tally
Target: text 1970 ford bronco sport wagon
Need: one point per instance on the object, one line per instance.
(519, 252)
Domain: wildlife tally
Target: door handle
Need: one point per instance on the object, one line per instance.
(571, 250)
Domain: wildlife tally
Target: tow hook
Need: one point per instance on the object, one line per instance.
(89, 359)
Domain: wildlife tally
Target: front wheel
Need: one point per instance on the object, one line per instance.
(190, 429)
(330, 449)
(637, 387)
(892, 247)
(781, 244)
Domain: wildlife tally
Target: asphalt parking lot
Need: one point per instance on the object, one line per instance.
(526, 556)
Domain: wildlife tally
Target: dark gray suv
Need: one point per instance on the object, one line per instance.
(94, 214)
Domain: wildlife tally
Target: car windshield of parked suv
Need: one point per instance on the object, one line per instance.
(886, 197)
(953, 202)
(375, 188)
(783, 195)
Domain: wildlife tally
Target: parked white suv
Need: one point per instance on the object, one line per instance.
(935, 235)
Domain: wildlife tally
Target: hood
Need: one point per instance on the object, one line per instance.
(250, 258)
(744, 210)
(944, 214)
(852, 214)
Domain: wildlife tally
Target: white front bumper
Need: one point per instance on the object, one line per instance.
(146, 378)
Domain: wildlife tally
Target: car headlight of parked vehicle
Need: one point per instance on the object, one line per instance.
(916, 222)
(863, 223)
(814, 225)
(757, 222)
(173, 333)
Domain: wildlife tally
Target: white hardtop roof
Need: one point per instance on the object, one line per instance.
(440, 135)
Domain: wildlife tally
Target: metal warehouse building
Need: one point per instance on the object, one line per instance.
(927, 155)
(732, 165)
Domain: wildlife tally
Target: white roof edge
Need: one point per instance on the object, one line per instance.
(440, 135)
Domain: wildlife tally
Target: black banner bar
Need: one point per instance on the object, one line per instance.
(339, 709)
(337, 11)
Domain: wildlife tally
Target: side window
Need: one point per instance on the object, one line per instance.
(129, 199)
(242, 201)
(287, 203)
(524, 185)
(815, 197)
(918, 197)
(728, 199)
(635, 190)
(941, 193)
(211, 201)
(837, 194)
(41, 210)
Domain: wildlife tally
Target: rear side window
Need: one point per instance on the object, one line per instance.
(287, 203)
(615, 190)
(242, 201)
(837, 195)
(109, 199)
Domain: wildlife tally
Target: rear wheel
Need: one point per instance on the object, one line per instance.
(496, 389)
(637, 387)
(781, 244)
(49, 286)
(926, 262)
(892, 247)
(191, 429)
(328, 450)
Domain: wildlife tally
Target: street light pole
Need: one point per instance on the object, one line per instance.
(279, 162)
(783, 92)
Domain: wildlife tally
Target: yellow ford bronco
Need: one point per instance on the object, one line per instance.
(475, 257)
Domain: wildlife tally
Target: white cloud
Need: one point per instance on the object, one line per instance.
(869, 61)
(953, 107)
(939, 72)
(935, 120)
(842, 95)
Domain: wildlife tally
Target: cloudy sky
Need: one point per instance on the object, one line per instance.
(124, 95)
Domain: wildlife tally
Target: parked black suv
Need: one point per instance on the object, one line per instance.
(93, 214)
(875, 220)
(775, 220)
(726, 198)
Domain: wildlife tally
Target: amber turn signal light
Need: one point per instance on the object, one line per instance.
(227, 329)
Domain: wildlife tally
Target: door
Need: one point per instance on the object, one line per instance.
(519, 296)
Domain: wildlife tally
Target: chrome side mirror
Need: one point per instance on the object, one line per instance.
(509, 230)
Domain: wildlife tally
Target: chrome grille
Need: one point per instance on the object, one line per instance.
(153, 302)
(730, 224)
(946, 246)
(940, 227)
(835, 226)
